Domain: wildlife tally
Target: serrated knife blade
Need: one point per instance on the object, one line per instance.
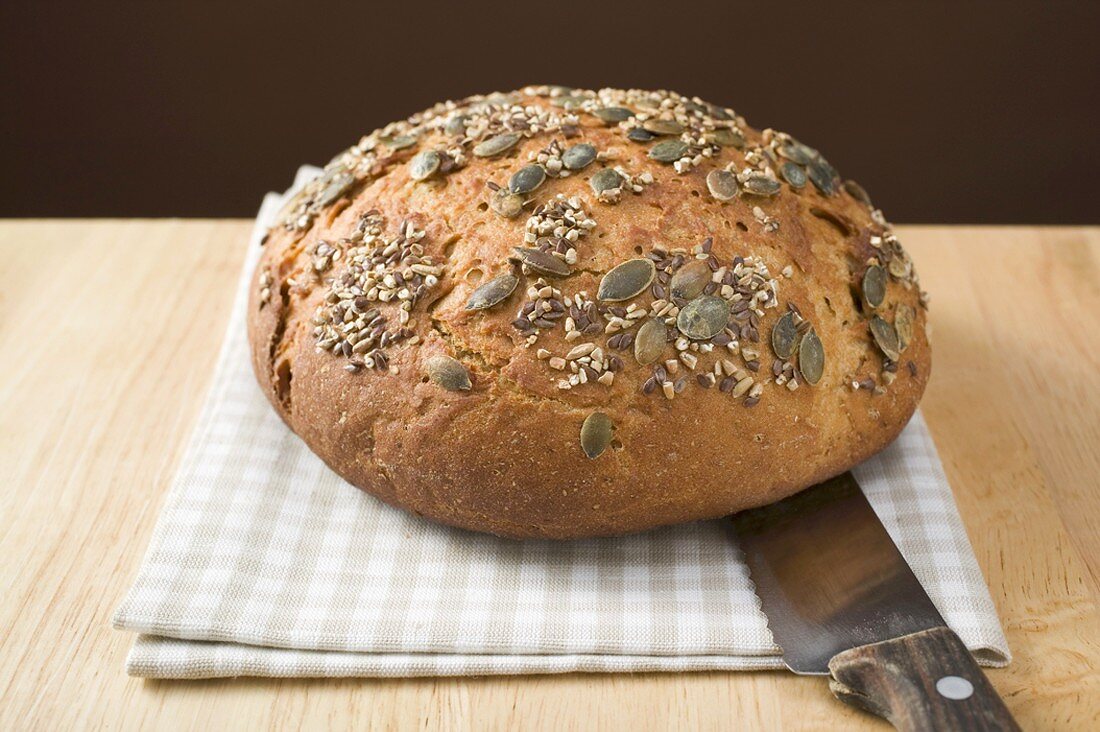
(841, 600)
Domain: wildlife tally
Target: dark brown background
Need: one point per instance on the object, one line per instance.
(955, 112)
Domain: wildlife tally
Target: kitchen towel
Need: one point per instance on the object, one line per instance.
(265, 563)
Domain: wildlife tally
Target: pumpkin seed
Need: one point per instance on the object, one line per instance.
(793, 174)
(543, 262)
(690, 280)
(506, 203)
(578, 156)
(663, 127)
(874, 285)
(668, 151)
(856, 191)
(456, 125)
(340, 185)
(424, 164)
(650, 341)
(903, 326)
(527, 179)
(496, 145)
(627, 280)
(900, 266)
(823, 176)
(886, 338)
(785, 336)
(605, 180)
(703, 318)
(639, 135)
(400, 142)
(759, 184)
(725, 137)
(448, 373)
(811, 357)
(612, 115)
(596, 434)
(722, 184)
(493, 292)
(797, 152)
(567, 102)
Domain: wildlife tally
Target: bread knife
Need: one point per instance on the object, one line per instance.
(840, 600)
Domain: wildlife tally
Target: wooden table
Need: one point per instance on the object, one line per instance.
(108, 333)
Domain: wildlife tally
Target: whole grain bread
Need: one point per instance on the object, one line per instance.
(435, 316)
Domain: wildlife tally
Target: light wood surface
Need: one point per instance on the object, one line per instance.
(108, 333)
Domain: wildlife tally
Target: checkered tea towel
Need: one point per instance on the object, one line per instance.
(265, 563)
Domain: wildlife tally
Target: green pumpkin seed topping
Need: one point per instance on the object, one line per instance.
(497, 145)
(823, 176)
(607, 179)
(456, 125)
(542, 262)
(811, 358)
(399, 142)
(759, 184)
(650, 341)
(448, 373)
(425, 164)
(627, 280)
(639, 135)
(596, 434)
(493, 292)
(793, 174)
(663, 127)
(874, 286)
(578, 156)
(704, 317)
(722, 184)
(886, 338)
(335, 190)
(725, 137)
(613, 115)
(689, 281)
(669, 151)
(505, 203)
(856, 191)
(785, 336)
(903, 325)
(527, 179)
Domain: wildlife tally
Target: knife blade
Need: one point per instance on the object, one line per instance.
(841, 600)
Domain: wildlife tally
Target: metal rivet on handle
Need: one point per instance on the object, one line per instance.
(955, 687)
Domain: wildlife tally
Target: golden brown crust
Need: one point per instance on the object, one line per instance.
(504, 456)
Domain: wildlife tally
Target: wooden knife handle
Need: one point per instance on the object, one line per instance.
(924, 681)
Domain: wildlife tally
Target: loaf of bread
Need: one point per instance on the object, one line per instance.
(568, 313)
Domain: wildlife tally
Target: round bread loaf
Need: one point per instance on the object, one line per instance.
(566, 313)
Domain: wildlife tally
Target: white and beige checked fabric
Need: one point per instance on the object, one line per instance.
(265, 563)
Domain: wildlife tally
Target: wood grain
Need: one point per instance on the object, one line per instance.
(108, 333)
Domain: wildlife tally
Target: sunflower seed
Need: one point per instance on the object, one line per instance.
(496, 145)
(596, 434)
(605, 180)
(691, 279)
(668, 151)
(903, 326)
(543, 262)
(578, 156)
(506, 204)
(785, 336)
(874, 285)
(725, 137)
(663, 127)
(612, 115)
(797, 152)
(793, 174)
(722, 184)
(448, 373)
(492, 292)
(823, 176)
(400, 142)
(759, 184)
(456, 125)
(527, 179)
(703, 317)
(856, 191)
(639, 135)
(424, 164)
(650, 341)
(627, 280)
(886, 338)
(811, 357)
(336, 189)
